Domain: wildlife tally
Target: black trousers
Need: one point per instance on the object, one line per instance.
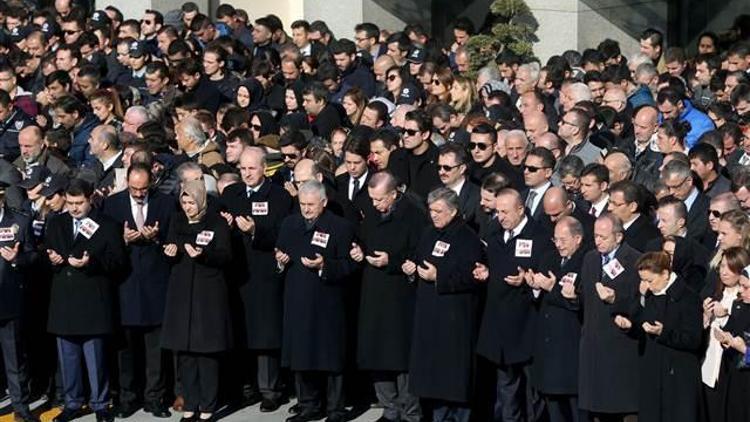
(199, 377)
(268, 370)
(14, 361)
(311, 387)
(141, 357)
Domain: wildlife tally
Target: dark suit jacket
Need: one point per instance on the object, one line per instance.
(640, 233)
(361, 198)
(106, 178)
(11, 275)
(538, 215)
(506, 334)
(82, 300)
(468, 202)
(142, 293)
(328, 120)
(697, 221)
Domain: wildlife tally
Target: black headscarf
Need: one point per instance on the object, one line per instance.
(257, 97)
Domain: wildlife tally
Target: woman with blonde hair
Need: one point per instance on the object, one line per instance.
(463, 95)
(105, 104)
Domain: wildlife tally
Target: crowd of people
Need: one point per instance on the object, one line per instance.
(202, 213)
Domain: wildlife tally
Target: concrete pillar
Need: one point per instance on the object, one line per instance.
(558, 26)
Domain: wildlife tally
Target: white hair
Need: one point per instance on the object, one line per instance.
(533, 68)
(192, 129)
(140, 113)
(517, 133)
(313, 186)
(579, 91)
(638, 59)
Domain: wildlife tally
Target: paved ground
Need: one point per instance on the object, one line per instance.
(250, 414)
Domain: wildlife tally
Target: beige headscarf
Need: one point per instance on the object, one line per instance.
(196, 189)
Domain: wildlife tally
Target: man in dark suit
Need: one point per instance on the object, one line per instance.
(558, 329)
(452, 168)
(625, 202)
(506, 334)
(17, 252)
(387, 301)
(105, 146)
(256, 208)
(85, 249)
(313, 251)
(680, 180)
(609, 360)
(557, 205)
(144, 214)
(537, 172)
(352, 185)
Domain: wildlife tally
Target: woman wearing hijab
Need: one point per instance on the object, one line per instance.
(197, 324)
(265, 129)
(295, 116)
(249, 95)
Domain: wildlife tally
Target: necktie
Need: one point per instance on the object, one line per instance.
(563, 261)
(509, 235)
(355, 188)
(76, 227)
(530, 200)
(139, 218)
(592, 211)
(605, 259)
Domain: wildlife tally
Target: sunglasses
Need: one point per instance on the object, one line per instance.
(447, 168)
(475, 145)
(436, 82)
(533, 169)
(290, 156)
(411, 132)
(147, 22)
(69, 32)
(392, 77)
(714, 213)
(257, 127)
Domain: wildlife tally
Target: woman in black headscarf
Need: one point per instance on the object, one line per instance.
(250, 95)
(295, 116)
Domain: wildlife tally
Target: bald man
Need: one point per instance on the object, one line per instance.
(647, 161)
(619, 166)
(616, 98)
(35, 152)
(557, 204)
(535, 123)
(257, 208)
(381, 66)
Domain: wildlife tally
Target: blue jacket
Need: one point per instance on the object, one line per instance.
(699, 123)
(79, 153)
(641, 96)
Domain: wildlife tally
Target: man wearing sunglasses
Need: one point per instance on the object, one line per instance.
(415, 165)
(537, 172)
(452, 168)
(485, 160)
(720, 204)
(574, 129)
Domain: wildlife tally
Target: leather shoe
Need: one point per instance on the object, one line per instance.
(268, 405)
(294, 409)
(157, 410)
(68, 414)
(123, 411)
(306, 417)
(104, 415)
(189, 419)
(384, 419)
(335, 417)
(24, 416)
(251, 399)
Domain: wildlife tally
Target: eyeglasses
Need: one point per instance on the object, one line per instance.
(475, 145)
(447, 168)
(290, 156)
(410, 132)
(533, 169)
(436, 82)
(257, 127)
(677, 186)
(392, 78)
(563, 122)
(715, 213)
